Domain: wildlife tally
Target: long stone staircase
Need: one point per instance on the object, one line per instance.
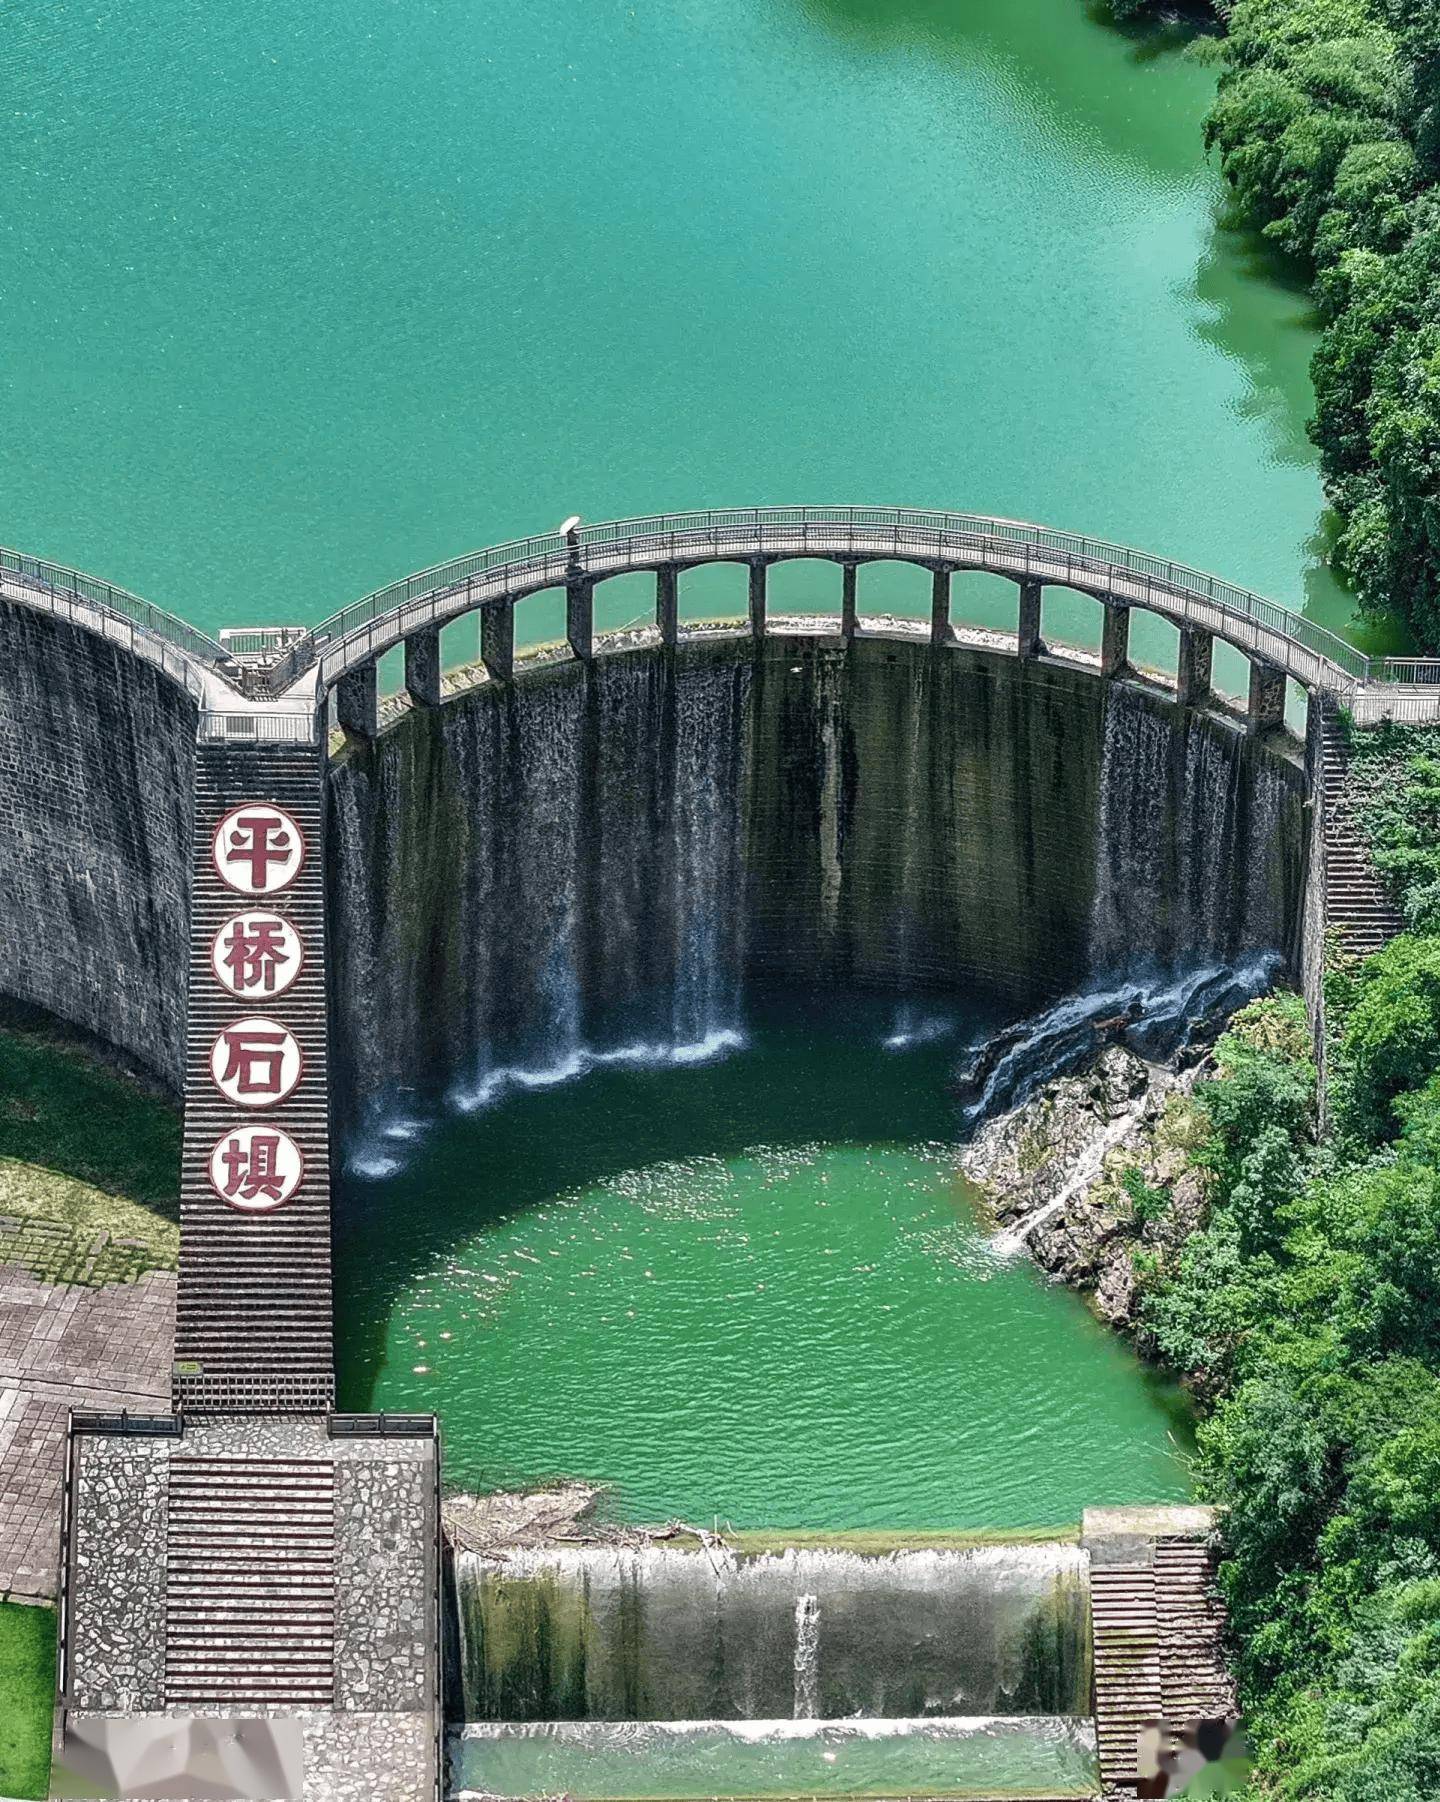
(1194, 1682)
(1357, 906)
(1125, 1623)
(250, 1582)
(1158, 1629)
(253, 1326)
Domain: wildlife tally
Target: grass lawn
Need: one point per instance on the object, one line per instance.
(85, 1147)
(27, 1698)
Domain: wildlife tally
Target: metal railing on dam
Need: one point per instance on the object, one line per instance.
(944, 542)
(113, 613)
(1277, 640)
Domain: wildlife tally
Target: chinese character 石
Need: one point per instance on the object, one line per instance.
(254, 952)
(255, 1061)
(248, 1051)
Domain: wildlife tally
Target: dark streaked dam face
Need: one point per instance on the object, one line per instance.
(650, 982)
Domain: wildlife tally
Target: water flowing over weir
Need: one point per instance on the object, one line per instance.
(663, 1635)
(595, 863)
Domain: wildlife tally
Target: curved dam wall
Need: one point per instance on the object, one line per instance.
(609, 856)
(96, 807)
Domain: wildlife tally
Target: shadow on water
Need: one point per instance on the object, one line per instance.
(812, 1073)
(1064, 59)
(1256, 310)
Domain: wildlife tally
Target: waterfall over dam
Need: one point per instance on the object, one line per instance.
(598, 860)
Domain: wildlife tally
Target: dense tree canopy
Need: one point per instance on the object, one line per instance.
(1327, 126)
(1306, 1317)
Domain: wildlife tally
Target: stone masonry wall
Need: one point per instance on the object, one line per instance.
(383, 1538)
(96, 757)
(117, 1598)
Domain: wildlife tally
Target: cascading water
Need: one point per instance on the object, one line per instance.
(1156, 1016)
(558, 872)
(706, 1012)
(665, 1635)
(1189, 856)
(807, 1657)
(595, 865)
(681, 1760)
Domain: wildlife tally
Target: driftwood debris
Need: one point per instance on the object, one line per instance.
(516, 1520)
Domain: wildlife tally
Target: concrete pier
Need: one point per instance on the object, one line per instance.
(497, 638)
(1192, 677)
(1115, 641)
(1265, 709)
(939, 606)
(422, 667)
(580, 617)
(849, 574)
(667, 604)
(757, 603)
(1028, 641)
(357, 702)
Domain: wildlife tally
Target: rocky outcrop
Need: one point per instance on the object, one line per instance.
(1093, 1169)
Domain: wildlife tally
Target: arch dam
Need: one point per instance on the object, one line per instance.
(223, 1567)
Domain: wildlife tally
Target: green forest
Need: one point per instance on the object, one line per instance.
(1327, 128)
(1306, 1318)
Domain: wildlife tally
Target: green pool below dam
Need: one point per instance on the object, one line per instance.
(755, 1288)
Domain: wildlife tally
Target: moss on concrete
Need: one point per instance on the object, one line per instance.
(27, 1698)
(89, 1164)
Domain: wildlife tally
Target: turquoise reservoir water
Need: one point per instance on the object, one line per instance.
(755, 1290)
(298, 298)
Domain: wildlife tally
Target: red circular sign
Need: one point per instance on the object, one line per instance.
(256, 1169)
(257, 954)
(256, 1061)
(257, 849)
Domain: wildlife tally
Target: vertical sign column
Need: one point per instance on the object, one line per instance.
(256, 1062)
(253, 1308)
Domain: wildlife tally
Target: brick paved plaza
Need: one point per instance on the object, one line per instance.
(63, 1346)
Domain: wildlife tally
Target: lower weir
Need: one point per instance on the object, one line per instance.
(601, 860)
(656, 1634)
